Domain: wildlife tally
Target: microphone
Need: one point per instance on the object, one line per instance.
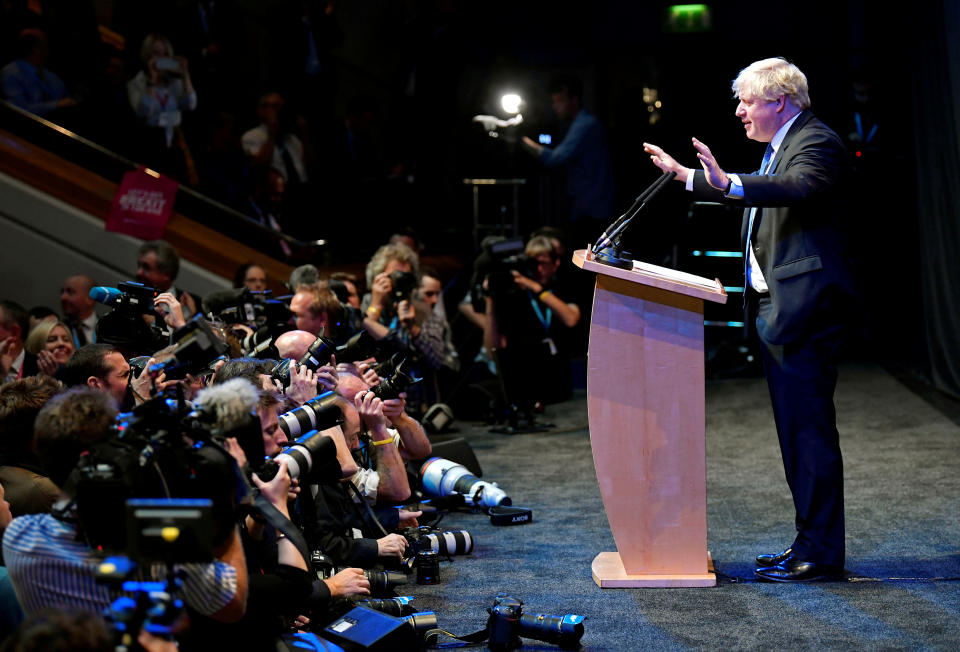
(232, 403)
(217, 302)
(104, 294)
(614, 229)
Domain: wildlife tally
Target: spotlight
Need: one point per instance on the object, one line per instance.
(511, 103)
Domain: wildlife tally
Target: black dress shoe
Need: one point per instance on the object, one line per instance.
(765, 561)
(793, 569)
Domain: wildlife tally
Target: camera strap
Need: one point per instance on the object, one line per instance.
(431, 637)
(282, 524)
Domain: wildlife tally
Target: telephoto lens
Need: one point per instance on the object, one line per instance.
(319, 413)
(441, 477)
(312, 459)
(383, 582)
(449, 543)
(565, 631)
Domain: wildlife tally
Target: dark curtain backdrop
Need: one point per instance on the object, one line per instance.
(936, 96)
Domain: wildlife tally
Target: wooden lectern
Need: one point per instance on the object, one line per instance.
(645, 399)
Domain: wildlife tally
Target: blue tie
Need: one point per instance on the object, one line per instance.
(767, 158)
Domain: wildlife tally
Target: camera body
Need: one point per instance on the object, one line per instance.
(495, 265)
(396, 375)
(507, 623)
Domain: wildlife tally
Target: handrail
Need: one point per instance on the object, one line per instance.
(124, 162)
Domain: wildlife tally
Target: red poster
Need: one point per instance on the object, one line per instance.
(143, 205)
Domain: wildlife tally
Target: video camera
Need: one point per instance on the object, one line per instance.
(124, 325)
(245, 306)
(167, 530)
(197, 347)
(496, 263)
(160, 449)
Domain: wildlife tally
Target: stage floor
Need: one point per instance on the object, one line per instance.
(902, 490)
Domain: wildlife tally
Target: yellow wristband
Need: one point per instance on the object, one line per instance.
(374, 309)
(384, 442)
(543, 294)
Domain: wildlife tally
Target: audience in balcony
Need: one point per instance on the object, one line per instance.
(29, 84)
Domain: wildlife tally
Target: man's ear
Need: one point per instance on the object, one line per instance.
(781, 103)
(95, 382)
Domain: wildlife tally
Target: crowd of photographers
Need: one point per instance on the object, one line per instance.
(297, 422)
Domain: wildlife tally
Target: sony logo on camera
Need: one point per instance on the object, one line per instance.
(520, 519)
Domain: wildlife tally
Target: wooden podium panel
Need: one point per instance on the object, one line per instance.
(645, 400)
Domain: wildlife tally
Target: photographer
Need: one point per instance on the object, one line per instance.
(529, 324)
(280, 582)
(391, 311)
(51, 566)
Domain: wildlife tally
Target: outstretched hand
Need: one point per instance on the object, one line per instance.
(666, 162)
(716, 177)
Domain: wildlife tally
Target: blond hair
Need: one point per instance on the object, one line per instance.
(770, 78)
(388, 252)
(37, 339)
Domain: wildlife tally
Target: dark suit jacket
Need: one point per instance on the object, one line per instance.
(799, 238)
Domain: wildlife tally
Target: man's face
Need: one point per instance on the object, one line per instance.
(255, 279)
(351, 426)
(75, 298)
(273, 436)
(353, 297)
(397, 266)
(269, 108)
(5, 515)
(306, 320)
(546, 268)
(430, 290)
(149, 272)
(761, 118)
(8, 330)
(564, 106)
(116, 381)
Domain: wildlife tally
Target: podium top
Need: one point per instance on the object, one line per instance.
(663, 278)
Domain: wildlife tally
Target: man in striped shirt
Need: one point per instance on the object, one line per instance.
(49, 567)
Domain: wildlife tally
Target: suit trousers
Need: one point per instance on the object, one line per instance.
(802, 379)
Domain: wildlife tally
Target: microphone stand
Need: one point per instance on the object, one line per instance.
(608, 249)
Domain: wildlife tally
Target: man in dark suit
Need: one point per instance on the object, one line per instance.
(798, 285)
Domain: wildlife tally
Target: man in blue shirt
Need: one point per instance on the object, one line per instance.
(584, 156)
(28, 84)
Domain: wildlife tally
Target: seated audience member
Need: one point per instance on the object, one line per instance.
(52, 344)
(14, 326)
(159, 94)
(10, 612)
(528, 324)
(78, 309)
(50, 567)
(250, 276)
(265, 204)
(39, 314)
(158, 265)
(280, 583)
(28, 489)
(271, 144)
(29, 84)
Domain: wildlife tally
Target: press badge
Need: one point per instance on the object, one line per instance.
(549, 342)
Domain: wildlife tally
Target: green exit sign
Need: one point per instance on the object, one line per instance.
(687, 19)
